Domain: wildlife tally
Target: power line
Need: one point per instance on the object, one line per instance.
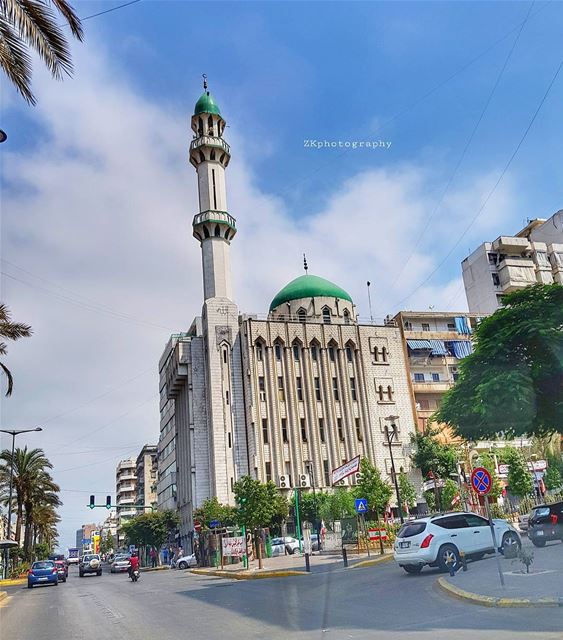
(494, 188)
(466, 147)
(101, 13)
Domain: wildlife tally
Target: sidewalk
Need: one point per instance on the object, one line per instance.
(542, 586)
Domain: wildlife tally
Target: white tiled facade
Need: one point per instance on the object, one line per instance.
(126, 490)
(533, 255)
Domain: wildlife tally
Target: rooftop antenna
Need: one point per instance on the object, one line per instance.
(204, 76)
(305, 265)
(369, 302)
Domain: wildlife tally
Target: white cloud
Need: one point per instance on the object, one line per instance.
(102, 206)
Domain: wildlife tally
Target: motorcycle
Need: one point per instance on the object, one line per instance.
(135, 575)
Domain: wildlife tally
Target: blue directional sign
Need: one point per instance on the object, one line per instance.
(214, 524)
(361, 505)
(86, 541)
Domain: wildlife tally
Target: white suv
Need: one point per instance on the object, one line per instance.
(437, 540)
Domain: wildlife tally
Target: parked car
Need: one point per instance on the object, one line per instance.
(90, 563)
(437, 540)
(42, 572)
(120, 564)
(546, 523)
(281, 546)
(62, 569)
(186, 561)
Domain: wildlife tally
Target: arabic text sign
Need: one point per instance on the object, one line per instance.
(233, 546)
(347, 469)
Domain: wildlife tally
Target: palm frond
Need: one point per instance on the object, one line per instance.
(72, 19)
(15, 60)
(9, 378)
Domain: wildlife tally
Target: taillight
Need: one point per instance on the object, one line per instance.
(55, 570)
(426, 542)
(30, 572)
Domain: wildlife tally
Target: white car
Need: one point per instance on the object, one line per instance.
(437, 540)
(186, 561)
(281, 546)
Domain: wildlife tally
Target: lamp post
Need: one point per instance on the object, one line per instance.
(310, 471)
(13, 433)
(389, 441)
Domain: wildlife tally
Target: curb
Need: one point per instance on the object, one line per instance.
(3, 595)
(161, 568)
(372, 561)
(244, 575)
(491, 601)
(12, 583)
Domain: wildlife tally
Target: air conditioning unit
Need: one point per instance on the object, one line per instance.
(341, 483)
(304, 480)
(284, 482)
(358, 476)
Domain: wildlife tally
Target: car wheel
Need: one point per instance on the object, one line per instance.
(510, 541)
(290, 550)
(29, 585)
(538, 543)
(182, 565)
(98, 573)
(448, 556)
(414, 569)
(80, 574)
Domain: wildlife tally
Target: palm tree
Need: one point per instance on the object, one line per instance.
(8, 329)
(26, 24)
(41, 494)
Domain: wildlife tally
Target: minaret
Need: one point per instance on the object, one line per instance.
(212, 226)
(223, 413)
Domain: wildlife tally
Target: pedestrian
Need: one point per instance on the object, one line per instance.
(152, 555)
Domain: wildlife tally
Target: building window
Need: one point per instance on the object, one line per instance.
(259, 353)
(284, 429)
(385, 393)
(435, 377)
(227, 397)
(302, 315)
(423, 404)
(359, 430)
(296, 352)
(380, 354)
(492, 258)
(314, 353)
(265, 438)
(496, 279)
(278, 351)
(268, 466)
(346, 316)
(451, 326)
(335, 389)
(299, 389)
(281, 392)
(340, 429)
(419, 377)
(455, 376)
(322, 429)
(408, 325)
(262, 388)
(353, 389)
(303, 430)
(349, 354)
(425, 326)
(332, 354)
(225, 356)
(230, 440)
(318, 389)
(326, 315)
(326, 473)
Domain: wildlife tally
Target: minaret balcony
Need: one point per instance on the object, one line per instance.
(209, 141)
(216, 217)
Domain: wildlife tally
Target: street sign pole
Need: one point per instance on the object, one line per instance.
(491, 524)
(297, 521)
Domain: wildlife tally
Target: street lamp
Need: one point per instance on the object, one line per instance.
(389, 438)
(13, 433)
(310, 471)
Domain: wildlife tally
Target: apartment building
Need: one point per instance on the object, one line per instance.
(533, 255)
(125, 491)
(146, 473)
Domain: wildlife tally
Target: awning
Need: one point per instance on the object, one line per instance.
(419, 344)
(462, 326)
(438, 348)
(461, 348)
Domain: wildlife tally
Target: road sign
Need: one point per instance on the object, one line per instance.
(214, 524)
(345, 470)
(361, 505)
(481, 481)
(86, 541)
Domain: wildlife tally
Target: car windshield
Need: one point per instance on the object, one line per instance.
(43, 565)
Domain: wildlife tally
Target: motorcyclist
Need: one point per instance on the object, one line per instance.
(133, 563)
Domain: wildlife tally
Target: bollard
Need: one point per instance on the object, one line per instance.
(307, 563)
(345, 556)
(463, 560)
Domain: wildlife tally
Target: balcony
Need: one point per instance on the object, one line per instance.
(510, 244)
(124, 477)
(210, 141)
(516, 273)
(431, 386)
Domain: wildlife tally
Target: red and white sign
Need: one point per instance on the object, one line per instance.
(535, 467)
(233, 546)
(347, 469)
(374, 534)
(481, 481)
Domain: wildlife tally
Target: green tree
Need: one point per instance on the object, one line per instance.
(512, 383)
(151, 529)
(372, 487)
(259, 504)
(487, 460)
(337, 505)
(448, 492)
(407, 491)
(212, 509)
(519, 479)
(107, 544)
(9, 330)
(34, 25)
(430, 455)
(552, 478)
(310, 505)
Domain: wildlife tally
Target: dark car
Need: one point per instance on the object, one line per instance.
(90, 563)
(62, 569)
(42, 572)
(546, 523)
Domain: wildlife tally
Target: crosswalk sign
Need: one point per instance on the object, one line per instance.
(361, 505)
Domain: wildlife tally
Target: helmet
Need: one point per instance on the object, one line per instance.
(133, 554)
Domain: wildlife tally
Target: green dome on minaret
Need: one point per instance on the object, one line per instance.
(309, 286)
(206, 104)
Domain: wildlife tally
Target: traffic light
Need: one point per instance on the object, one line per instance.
(108, 502)
(92, 502)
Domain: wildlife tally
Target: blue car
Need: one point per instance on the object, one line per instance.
(42, 572)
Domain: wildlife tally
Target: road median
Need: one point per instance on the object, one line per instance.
(12, 583)
(371, 562)
(248, 575)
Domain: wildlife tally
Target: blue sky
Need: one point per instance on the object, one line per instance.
(98, 195)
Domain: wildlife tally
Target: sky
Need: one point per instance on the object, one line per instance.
(97, 195)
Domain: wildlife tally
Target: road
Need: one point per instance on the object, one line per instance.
(373, 602)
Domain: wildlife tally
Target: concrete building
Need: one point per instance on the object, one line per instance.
(146, 473)
(85, 533)
(285, 397)
(125, 491)
(534, 254)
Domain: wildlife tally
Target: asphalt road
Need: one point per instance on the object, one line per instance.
(372, 602)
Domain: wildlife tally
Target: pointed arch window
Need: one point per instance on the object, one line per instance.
(302, 315)
(326, 316)
(346, 316)
(217, 231)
